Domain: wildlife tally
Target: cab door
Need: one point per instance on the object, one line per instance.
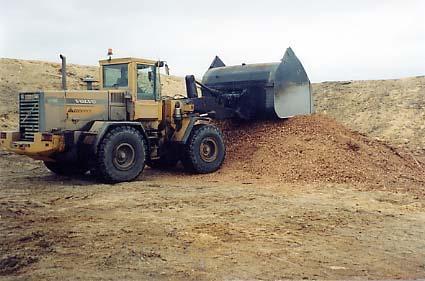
(148, 103)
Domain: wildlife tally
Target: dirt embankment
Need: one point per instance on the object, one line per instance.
(392, 110)
(26, 75)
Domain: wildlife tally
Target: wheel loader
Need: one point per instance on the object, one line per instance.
(115, 131)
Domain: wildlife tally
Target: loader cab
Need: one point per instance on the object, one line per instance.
(141, 78)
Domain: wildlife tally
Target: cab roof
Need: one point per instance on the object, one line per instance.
(127, 60)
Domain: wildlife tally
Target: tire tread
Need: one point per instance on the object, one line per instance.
(190, 161)
(102, 170)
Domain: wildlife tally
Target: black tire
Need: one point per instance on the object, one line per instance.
(121, 155)
(205, 150)
(65, 168)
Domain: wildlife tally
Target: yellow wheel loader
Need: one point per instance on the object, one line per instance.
(115, 131)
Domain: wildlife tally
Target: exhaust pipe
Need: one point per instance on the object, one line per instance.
(191, 87)
(63, 70)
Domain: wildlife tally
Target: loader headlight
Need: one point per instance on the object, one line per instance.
(46, 137)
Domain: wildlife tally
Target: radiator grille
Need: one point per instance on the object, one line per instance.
(29, 115)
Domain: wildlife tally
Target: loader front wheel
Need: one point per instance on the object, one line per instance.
(121, 155)
(205, 150)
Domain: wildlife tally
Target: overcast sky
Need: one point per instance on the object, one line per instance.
(335, 40)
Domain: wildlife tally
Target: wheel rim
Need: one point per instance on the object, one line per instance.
(208, 149)
(124, 156)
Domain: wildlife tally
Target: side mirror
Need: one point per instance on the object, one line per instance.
(167, 70)
(159, 64)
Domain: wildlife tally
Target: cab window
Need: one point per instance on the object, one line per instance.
(146, 82)
(115, 75)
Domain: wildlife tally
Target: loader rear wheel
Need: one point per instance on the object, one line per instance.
(205, 150)
(121, 155)
(65, 168)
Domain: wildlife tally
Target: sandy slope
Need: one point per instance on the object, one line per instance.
(393, 110)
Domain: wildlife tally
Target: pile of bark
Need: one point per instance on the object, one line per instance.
(315, 148)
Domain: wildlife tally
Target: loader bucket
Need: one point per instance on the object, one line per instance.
(264, 90)
(292, 90)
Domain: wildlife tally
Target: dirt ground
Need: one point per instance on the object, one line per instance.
(175, 226)
(306, 198)
(299, 198)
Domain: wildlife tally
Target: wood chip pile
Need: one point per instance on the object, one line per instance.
(315, 149)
